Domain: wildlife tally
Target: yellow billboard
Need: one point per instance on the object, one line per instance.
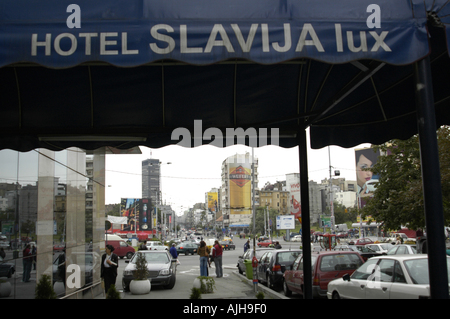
(240, 188)
(212, 202)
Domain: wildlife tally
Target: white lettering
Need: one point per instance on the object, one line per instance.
(88, 37)
(162, 37)
(35, 43)
(183, 42)
(73, 47)
(74, 279)
(374, 20)
(339, 42)
(287, 40)
(351, 44)
(380, 41)
(125, 45)
(245, 45)
(74, 20)
(218, 28)
(104, 43)
(308, 29)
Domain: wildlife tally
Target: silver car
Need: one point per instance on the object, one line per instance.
(162, 269)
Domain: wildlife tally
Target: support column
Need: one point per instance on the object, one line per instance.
(431, 179)
(306, 228)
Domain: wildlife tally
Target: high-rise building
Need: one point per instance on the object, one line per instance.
(236, 191)
(151, 177)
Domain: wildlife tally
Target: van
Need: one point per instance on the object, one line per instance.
(121, 248)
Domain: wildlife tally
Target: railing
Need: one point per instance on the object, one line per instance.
(91, 287)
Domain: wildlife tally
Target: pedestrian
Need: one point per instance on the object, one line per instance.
(143, 245)
(173, 251)
(277, 245)
(27, 262)
(34, 254)
(217, 252)
(109, 265)
(2, 253)
(62, 266)
(247, 245)
(203, 252)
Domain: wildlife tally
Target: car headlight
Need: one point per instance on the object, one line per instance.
(128, 273)
(164, 272)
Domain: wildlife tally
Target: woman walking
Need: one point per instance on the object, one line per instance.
(203, 251)
(110, 262)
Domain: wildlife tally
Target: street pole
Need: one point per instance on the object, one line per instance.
(255, 275)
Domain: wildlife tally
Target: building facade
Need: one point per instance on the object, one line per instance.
(151, 180)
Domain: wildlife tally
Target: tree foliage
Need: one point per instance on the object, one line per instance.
(398, 198)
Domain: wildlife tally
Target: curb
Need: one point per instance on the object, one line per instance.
(261, 288)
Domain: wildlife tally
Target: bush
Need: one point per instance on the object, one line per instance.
(195, 293)
(141, 271)
(260, 295)
(112, 293)
(44, 288)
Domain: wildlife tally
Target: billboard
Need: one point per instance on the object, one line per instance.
(136, 210)
(212, 202)
(240, 175)
(365, 158)
(293, 187)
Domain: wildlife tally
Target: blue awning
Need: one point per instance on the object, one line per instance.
(130, 72)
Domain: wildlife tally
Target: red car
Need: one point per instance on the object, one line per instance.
(364, 241)
(265, 243)
(326, 266)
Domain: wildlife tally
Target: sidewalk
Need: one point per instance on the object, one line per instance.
(234, 286)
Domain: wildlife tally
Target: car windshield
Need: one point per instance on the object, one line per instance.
(153, 258)
(288, 256)
(418, 270)
(340, 262)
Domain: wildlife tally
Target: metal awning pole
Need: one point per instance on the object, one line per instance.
(306, 228)
(431, 179)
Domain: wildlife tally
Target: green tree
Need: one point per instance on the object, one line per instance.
(398, 198)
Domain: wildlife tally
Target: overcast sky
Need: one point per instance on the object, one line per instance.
(194, 171)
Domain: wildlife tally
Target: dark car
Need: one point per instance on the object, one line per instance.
(364, 251)
(248, 255)
(6, 269)
(227, 245)
(187, 247)
(272, 265)
(161, 267)
(326, 266)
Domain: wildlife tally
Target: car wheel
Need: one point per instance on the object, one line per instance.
(125, 287)
(186, 253)
(286, 290)
(172, 283)
(336, 295)
(129, 255)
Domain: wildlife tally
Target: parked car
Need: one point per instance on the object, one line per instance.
(386, 277)
(363, 241)
(381, 248)
(262, 238)
(156, 245)
(296, 238)
(402, 249)
(227, 244)
(187, 247)
(122, 249)
(161, 267)
(365, 251)
(6, 269)
(248, 255)
(273, 264)
(265, 243)
(326, 266)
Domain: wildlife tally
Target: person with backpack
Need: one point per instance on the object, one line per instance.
(217, 252)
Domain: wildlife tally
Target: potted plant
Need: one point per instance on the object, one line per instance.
(140, 284)
(44, 288)
(5, 288)
(205, 284)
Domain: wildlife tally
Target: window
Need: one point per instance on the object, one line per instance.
(398, 273)
(386, 273)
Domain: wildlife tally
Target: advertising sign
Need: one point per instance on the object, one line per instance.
(285, 222)
(212, 202)
(136, 212)
(240, 192)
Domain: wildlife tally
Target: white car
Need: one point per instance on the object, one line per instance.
(402, 249)
(381, 248)
(296, 238)
(386, 277)
(156, 245)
